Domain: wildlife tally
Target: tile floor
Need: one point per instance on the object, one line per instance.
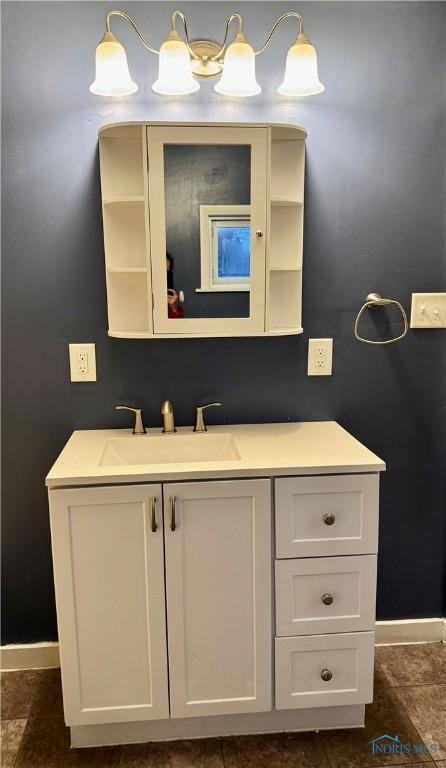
(410, 701)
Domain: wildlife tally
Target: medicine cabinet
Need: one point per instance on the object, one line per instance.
(203, 228)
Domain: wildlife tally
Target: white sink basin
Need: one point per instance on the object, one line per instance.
(168, 449)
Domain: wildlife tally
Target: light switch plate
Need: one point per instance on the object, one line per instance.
(428, 310)
(320, 357)
(82, 362)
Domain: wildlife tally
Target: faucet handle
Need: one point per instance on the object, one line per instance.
(139, 428)
(200, 426)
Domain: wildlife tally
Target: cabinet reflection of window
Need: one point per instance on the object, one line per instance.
(225, 248)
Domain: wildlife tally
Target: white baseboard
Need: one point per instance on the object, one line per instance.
(29, 656)
(46, 655)
(410, 631)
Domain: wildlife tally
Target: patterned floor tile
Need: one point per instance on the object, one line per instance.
(426, 707)
(200, 753)
(46, 744)
(47, 700)
(418, 664)
(302, 750)
(18, 690)
(12, 732)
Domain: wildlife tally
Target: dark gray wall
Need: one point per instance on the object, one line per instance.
(202, 175)
(374, 221)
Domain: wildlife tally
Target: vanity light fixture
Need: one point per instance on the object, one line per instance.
(175, 72)
(182, 62)
(112, 72)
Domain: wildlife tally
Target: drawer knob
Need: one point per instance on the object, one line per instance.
(329, 518)
(326, 675)
(327, 599)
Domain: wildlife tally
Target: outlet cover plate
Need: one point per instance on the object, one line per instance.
(320, 357)
(82, 362)
(428, 310)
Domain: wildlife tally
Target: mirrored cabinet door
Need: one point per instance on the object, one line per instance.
(207, 203)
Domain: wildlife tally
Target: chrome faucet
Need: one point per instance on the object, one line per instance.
(168, 418)
(139, 428)
(200, 426)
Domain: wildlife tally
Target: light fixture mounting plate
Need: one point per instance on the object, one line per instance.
(204, 67)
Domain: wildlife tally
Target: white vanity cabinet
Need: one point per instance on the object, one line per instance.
(227, 596)
(226, 202)
(109, 565)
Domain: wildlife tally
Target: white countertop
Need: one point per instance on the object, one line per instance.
(266, 450)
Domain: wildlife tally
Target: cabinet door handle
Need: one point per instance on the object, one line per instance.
(153, 524)
(327, 599)
(326, 675)
(172, 503)
(259, 234)
(329, 518)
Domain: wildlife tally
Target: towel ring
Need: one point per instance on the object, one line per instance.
(376, 301)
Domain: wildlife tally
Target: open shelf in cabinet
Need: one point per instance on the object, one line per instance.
(286, 237)
(287, 167)
(125, 235)
(285, 299)
(122, 165)
(128, 307)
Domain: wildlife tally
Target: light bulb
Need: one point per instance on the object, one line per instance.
(239, 70)
(301, 77)
(175, 70)
(112, 72)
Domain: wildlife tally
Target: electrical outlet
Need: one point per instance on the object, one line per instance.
(320, 357)
(428, 310)
(82, 362)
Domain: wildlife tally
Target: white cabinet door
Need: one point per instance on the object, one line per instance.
(218, 578)
(186, 179)
(109, 578)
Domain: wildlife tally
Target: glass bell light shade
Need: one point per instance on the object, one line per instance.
(301, 77)
(239, 70)
(112, 72)
(175, 71)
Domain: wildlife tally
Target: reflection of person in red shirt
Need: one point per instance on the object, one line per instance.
(174, 308)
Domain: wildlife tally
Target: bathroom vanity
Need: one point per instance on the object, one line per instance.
(214, 584)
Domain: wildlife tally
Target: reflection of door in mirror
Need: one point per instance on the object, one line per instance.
(207, 214)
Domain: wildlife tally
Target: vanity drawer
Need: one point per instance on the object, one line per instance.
(329, 515)
(325, 594)
(324, 670)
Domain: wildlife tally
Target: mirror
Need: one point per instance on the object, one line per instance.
(208, 232)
